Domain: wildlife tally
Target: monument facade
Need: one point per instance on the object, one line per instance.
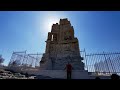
(61, 48)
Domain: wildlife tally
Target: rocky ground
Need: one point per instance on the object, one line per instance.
(6, 74)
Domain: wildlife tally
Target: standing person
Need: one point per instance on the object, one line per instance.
(69, 70)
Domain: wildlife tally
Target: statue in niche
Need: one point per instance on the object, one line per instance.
(55, 37)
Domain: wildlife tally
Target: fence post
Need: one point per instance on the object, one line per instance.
(111, 65)
(85, 59)
(106, 62)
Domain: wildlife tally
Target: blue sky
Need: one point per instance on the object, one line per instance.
(96, 31)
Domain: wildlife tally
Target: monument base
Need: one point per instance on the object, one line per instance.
(62, 74)
(57, 74)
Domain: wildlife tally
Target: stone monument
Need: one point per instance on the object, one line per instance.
(61, 47)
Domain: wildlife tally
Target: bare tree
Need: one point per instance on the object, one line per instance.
(1, 59)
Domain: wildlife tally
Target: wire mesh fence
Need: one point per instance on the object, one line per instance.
(104, 63)
(23, 59)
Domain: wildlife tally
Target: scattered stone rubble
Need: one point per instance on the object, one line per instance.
(4, 74)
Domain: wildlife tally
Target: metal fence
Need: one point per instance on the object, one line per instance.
(23, 59)
(104, 63)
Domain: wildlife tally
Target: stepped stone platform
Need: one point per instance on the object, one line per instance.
(61, 74)
(56, 74)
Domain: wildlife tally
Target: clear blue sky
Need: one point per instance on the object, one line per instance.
(97, 31)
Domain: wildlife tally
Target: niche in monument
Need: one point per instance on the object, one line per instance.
(61, 47)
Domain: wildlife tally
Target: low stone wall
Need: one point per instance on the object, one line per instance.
(2, 67)
(15, 69)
